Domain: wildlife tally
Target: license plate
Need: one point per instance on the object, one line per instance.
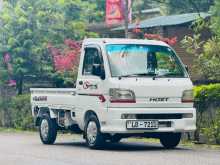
(145, 124)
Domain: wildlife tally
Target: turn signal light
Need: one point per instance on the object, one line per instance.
(187, 96)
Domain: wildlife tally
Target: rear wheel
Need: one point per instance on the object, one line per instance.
(170, 140)
(93, 135)
(48, 130)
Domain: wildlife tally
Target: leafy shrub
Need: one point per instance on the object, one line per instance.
(213, 131)
(21, 112)
(207, 103)
(16, 112)
(206, 95)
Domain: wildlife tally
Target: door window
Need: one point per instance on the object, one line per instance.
(91, 57)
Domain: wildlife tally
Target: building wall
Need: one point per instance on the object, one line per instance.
(180, 32)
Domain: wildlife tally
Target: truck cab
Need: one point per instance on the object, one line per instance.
(124, 88)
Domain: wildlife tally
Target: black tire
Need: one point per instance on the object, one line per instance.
(115, 139)
(170, 140)
(97, 141)
(48, 137)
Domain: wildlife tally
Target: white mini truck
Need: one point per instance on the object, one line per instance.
(124, 88)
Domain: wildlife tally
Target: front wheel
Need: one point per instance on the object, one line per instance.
(48, 130)
(93, 135)
(170, 140)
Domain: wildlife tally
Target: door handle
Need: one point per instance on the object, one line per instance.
(93, 85)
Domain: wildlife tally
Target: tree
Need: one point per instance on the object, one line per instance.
(207, 62)
(187, 6)
(99, 7)
(29, 25)
(215, 21)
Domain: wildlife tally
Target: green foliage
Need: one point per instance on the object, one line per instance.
(212, 131)
(20, 110)
(207, 53)
(187, 6)
(27, 26)
(207, 103)
(99, 15)
(206, 95)
(215, 26)
(3, 74)
(16, 112)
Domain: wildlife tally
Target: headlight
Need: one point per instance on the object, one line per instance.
(121, 96)
(187, 96)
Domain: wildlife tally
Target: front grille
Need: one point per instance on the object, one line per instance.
(152, 116)
(164, 124)
(159, 116)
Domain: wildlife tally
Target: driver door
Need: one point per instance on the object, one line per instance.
(89, 84)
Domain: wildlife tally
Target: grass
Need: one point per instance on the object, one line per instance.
(13, 130)
(199, 146)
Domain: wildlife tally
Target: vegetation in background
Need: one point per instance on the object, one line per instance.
(207, 62)
(187, 6)
(27, 26)
(16, 112)
(207, 103)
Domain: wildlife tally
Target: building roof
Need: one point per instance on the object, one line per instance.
(89, 41)
(169, 20)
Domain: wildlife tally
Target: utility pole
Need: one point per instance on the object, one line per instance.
(126, 18)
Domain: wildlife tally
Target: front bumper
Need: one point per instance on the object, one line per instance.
(114, 124)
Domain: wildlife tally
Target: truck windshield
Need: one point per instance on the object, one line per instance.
(143, 60)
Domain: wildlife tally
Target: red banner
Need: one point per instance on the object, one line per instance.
(115, 11)
(7, 62)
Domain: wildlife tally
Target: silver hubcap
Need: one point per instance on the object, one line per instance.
(44, 129)
(92, 132)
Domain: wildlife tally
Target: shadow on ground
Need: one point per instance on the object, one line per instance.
(122, 146)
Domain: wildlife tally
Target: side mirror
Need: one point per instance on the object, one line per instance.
(187, 68)
(98, 70)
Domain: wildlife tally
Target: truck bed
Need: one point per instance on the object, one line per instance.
(55, 98)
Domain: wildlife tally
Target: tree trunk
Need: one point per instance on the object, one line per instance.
(20, 85)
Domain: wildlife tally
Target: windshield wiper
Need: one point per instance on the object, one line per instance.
(167, 75)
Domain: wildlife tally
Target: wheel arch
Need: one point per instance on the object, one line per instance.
(42, 111)
(88, 114)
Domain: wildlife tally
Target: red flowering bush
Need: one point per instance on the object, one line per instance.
(67, 59)
(136, 30)
(169, 41)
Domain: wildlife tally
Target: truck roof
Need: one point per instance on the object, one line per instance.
(122, 41)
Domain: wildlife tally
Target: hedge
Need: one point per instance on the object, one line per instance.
(207, 103)
(206, 95)
(15, 112)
